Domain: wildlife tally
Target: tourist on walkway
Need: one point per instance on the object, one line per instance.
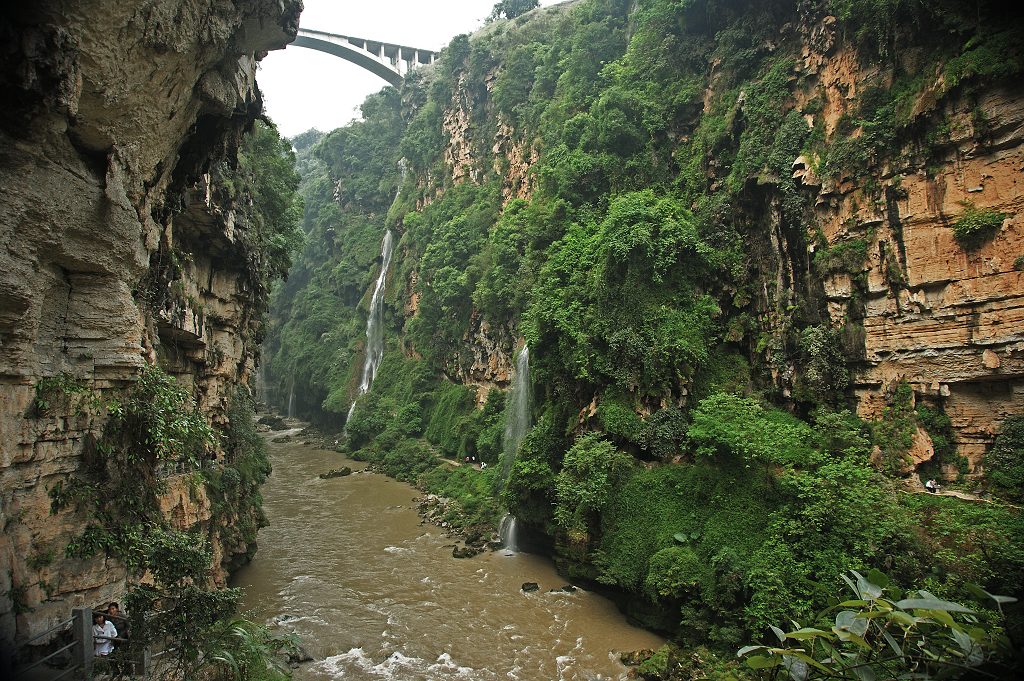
(103, 634)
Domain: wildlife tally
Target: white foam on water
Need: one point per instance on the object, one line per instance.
(295, 620)
(397, 549)
(445, 661)
(336, 665)
(397, 666)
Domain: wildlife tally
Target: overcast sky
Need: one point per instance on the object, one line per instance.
(305, 89)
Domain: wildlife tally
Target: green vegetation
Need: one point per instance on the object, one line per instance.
(847, 257)
(510, 9)
(976, 226)
(73, 394)
(1004, 462)
(234, 488)
(692, 445)
(153, 433)
(880, 634)
(262, 187)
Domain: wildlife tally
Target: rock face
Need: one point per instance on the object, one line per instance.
(116, 112)
(946, 319)
(485, 357)
(921, 308)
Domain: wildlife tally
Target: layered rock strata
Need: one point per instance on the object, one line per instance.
(945, 318)
(115, 253)
(922, 308)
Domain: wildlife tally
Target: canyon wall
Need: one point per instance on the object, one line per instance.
(920, 307)
(766, 259)
(116, 254)
(946, 318)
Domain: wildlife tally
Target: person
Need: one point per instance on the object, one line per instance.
(103, 633)
(115, 616)
(931, 485)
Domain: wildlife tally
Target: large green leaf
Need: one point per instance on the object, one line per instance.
(931, 604)
(806, 633)
(763, 662)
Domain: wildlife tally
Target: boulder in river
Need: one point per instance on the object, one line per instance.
(297, 656)
(281, 439)
(336, 473)
(274, 421)
(635, 657)
(465, 552)
(530, 586)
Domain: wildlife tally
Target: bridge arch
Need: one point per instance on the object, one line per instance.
(389, 61)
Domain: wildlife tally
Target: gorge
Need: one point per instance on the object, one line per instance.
(694, 294)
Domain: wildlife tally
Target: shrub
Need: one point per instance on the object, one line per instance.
(1004, 462)
(591, 469)
(847, 256)
(894, 432)
(729, 425)
(976, 226)
(881, 634)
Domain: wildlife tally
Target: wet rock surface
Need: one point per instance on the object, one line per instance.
(274, 421)
(336, 473)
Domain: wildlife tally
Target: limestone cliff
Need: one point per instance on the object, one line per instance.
(116, 252)
(947, 319)
(919, 307)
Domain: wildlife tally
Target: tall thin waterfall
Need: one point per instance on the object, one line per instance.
(374, 328)
(517, 414)
(508, 534)
(291, 402)
(261, 387)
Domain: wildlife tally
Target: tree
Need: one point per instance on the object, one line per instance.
(510, 9)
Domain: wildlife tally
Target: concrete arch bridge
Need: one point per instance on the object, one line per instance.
(389, 61)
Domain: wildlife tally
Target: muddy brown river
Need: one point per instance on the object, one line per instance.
(374, 594)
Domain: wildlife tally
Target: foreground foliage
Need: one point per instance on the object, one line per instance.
(880, 634)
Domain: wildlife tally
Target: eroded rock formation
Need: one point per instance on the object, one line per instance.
(921, 307)
(117, 110)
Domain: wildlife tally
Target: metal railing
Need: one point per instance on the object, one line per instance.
(69, 624)
(120, 664)
(20, 672)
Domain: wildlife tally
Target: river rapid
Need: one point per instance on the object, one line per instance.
(375, 594)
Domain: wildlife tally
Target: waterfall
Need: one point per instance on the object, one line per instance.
(508, 533)
(374, 328)
(291, 402)
(261, 388)
(517, 414)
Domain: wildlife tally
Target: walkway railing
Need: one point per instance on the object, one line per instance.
(21, 672)
(79, 655)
